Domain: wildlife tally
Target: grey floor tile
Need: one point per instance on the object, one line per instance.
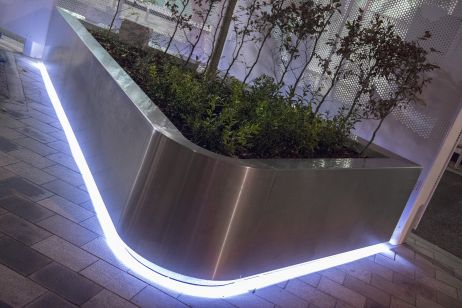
(93, 225)
(20, 257)
(195, 301)
(35, 146)
(16, 290)
(59, 135)
(50, 300)
(24, 208)
(248, 300)
(11, 133)
(107, 299)
(66, 208)
(35, 134)
(31, 173)
(113, 279)
(152, 297)
(67, 191)
(281, 297)
(65, 160)
(66, 283)
(6, 159)
(99, 248)
(88, 205)
(6, 174)
(21, 186)
(68, 230)
(22, 230)
(60, 146)
(39, 125)
(31, 158)
(65, 253)
(6, 145)
(65, 174)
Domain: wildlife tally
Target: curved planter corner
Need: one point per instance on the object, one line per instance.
(201, 214)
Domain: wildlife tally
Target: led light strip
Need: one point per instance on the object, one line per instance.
(165, 278)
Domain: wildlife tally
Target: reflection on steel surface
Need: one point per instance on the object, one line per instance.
(204, 215)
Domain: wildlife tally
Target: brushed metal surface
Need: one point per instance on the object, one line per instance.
(205, 215)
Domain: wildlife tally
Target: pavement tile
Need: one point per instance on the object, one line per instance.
(337, 290)
(50, 300)
(19, 185)
(355, 269)
(248, 300)
(397, 303)
(65, 160)
(20, 257)
(45, 118)
(312, 279)
(342, 304)
(152, 297)
(66, 283)
(393, 289)
(6, 174)
(24, 208)
(39, 125)
(6, 159)
(99, 248)
(367, 290)
(6, 145)
(93, 225)
(66, 208)
(373, 304)
(22, 230)
(414, 286)
(59, 135)
(68, 230)
(281, 297)
(61, 146)
(423, 302)
(31, 173)
(88, 205)
(310, 294)
(425, 266)
(194, 301)
(334, 274)
(398, 265)
(113, 279)
(449, 279)
(170, 292)
(107, 299)
(11, 134)
(31, 158)
(65, 253)
(449, 301)
(16, 290)
(35, 146)
(67, 191)
(376, 268)
(438, 286)
(36, 134)
(65, 174)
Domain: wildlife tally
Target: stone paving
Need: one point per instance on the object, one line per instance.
(53, 253)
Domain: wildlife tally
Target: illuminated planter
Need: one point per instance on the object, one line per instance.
(204, 215)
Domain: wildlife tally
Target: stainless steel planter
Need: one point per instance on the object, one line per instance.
(205, 215)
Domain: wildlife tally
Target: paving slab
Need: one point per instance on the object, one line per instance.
(66, 283)
(67, 230)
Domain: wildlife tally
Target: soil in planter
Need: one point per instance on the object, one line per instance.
(229, 117)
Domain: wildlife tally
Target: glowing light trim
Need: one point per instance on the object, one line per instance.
(166, 278)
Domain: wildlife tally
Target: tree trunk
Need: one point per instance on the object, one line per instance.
(115, 15)
(223, 34)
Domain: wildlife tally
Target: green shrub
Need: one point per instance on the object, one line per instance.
(231, 118)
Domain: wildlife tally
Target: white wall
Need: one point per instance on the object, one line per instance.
(28, 19)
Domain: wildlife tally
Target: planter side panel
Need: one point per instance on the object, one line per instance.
(111, 131)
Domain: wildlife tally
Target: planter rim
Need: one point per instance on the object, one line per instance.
(160, 122)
